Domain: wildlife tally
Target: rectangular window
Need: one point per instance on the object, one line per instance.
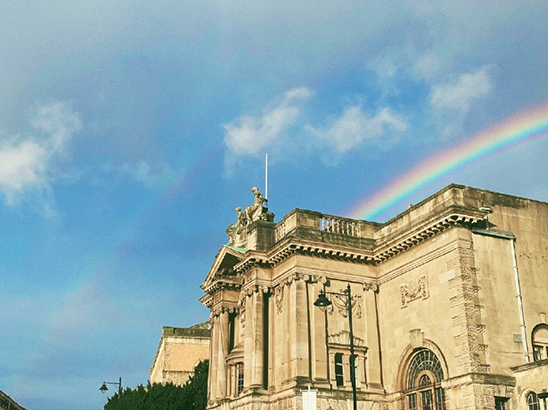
(426, 400)
(240, 371)
(412, 401)
(339, 369)
(231, 320)
(440, 399)
(500, 403)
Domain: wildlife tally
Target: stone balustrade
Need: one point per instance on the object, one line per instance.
(303, 223)
(339, 226)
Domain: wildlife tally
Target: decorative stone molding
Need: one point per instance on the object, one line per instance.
(414, 290)
(216, 311)
(370, 286)
(402, 244)
(343, 338)
(279, 298)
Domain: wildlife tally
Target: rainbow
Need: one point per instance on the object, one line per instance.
(523, 127)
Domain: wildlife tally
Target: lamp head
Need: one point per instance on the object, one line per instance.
(322, 302)
(103, 388)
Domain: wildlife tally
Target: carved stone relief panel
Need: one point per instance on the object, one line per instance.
(279, 298)
(413, 290)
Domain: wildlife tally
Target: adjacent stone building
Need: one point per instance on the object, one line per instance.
(449, 307)
(7, 403)
(179, 351)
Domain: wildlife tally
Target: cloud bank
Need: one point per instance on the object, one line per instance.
(28, 163)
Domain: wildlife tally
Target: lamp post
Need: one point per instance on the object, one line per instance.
(345, 296)
(104, 387)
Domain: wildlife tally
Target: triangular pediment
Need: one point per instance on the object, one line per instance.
(226, 259)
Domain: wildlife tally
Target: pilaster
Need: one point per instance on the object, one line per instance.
(318, 336)
(257, 353)
(299, 354)
(373, 362)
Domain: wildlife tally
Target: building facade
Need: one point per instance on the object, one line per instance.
(7, 403)
(179, 351)
(448, 310)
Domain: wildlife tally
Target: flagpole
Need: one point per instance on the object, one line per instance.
(266, 175)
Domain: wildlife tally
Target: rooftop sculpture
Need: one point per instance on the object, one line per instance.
(258, 211)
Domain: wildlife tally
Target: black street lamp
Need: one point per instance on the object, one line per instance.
(104, 387)
(345, 296)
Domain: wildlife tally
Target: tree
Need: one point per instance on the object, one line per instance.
(191, 396)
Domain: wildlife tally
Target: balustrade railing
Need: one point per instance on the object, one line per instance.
(339, 226)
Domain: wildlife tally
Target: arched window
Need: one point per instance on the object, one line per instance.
(424, 376)
(532, 401)
(540, 342)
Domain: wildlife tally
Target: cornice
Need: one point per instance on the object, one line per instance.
(403, 242)
(386, 249)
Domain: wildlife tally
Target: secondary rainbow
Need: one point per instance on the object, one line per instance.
(526, 126)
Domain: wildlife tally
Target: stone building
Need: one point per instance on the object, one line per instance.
(179, 351)
(449, 307)
(7, 403)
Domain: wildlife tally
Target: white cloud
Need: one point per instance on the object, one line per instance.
(354, 127)
(27, 164)
(252, 135)
(460, 94)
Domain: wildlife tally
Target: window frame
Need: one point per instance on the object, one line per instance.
(533, 402)
(423, 382)
(239, 378)
(339, 369)
(540, 347)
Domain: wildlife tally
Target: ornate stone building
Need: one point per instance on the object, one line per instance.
(449, 307)
(179, 351)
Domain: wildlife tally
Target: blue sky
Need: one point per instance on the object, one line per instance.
(130, 130)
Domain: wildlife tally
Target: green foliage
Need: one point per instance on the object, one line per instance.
(191, 396)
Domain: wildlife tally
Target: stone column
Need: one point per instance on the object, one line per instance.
(248, 341)
(299, 354)
(223, 336)
(373, 364)
(257, 361)
(214, 358)
(318, 338)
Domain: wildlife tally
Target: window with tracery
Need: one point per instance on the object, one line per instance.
(424, 376)
(532, 401)
(540, 342)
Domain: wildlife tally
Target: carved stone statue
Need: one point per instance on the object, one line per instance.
(236, 229)
(237, 234)
(254, 212)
